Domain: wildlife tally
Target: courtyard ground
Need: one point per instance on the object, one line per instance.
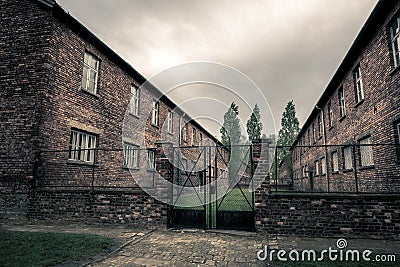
(141, 247)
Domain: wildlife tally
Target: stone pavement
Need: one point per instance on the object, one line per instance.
(141, 247)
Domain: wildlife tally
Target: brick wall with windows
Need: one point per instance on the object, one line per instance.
(361, 105)
(65, 90)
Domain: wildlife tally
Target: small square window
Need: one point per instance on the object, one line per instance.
(82, 146)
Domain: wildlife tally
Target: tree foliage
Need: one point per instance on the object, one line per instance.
(254, 125)
(287, 134)
(230, 131)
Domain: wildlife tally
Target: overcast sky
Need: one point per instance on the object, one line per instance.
(289, 48)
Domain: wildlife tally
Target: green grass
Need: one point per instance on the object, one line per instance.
(47, 249)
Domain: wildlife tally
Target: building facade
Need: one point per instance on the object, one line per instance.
(65, 100)
(350, 140)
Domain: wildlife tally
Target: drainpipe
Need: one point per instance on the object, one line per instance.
(326, 149)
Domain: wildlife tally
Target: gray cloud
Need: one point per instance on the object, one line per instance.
(289, 48)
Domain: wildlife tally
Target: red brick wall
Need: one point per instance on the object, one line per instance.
(375, 115)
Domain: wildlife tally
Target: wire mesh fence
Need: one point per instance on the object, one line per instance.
(360, 167)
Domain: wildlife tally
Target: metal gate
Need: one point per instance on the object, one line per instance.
(213, 188)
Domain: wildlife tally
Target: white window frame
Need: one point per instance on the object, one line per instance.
(335, 162)
(134, 104)
(170, 122)
(193, 136)
(395, 41)
(347, 158)
(131, 156)
(155, 113)
(342, 102)
(82, 146)
(313, 133)
(358, 84)
(201, 139)
(90, 67)
(366, 152)
(320, 129)
(185, 132)
(151, 159)
(323, 166)
(330, 113)
(316, 166)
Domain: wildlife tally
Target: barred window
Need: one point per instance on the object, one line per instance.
(358, 84)
(82, 146)
(347, 158)
(395, 40)
(134, 104)
(90, 73)
(366, 153)
(335, 162)
(131, 156)
(151, 159)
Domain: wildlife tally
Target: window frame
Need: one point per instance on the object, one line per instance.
(335, 162)
(185, 132)
(89, 69)
(366, 148)
(342, 102)
(316, 168)
(347, 160)
(155, 113)
(358, 84)
(135, 101)
(395, 38)
(82, 152)
(397, 139)
(134, 158)
(323, 165)
(193, 136)
(151, 155)
(330, 114)
(170, 122)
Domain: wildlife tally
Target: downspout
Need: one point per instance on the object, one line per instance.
(326, 149)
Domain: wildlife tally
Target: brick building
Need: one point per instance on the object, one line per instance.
(64, 95)
(359, 107)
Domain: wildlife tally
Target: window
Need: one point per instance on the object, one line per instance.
(335, 162)
(323, 166)
(185, 132)
(347, 158)
(184, 164)
(201, 139)
(134, 104)
(151, 159)
(193, 136)
(313, 133)
(395, 40)
(155, 113)
(82, 146)
(320, 130)
(90, 73)
(366, 154)
(342, 104)
(397, 136)
(316, 168)
(170, 120)
(358, 85)
(330, 114)
(303, 172)
(131, 156)
(309, 137)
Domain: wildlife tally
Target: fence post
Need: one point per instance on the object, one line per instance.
(355, 167)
